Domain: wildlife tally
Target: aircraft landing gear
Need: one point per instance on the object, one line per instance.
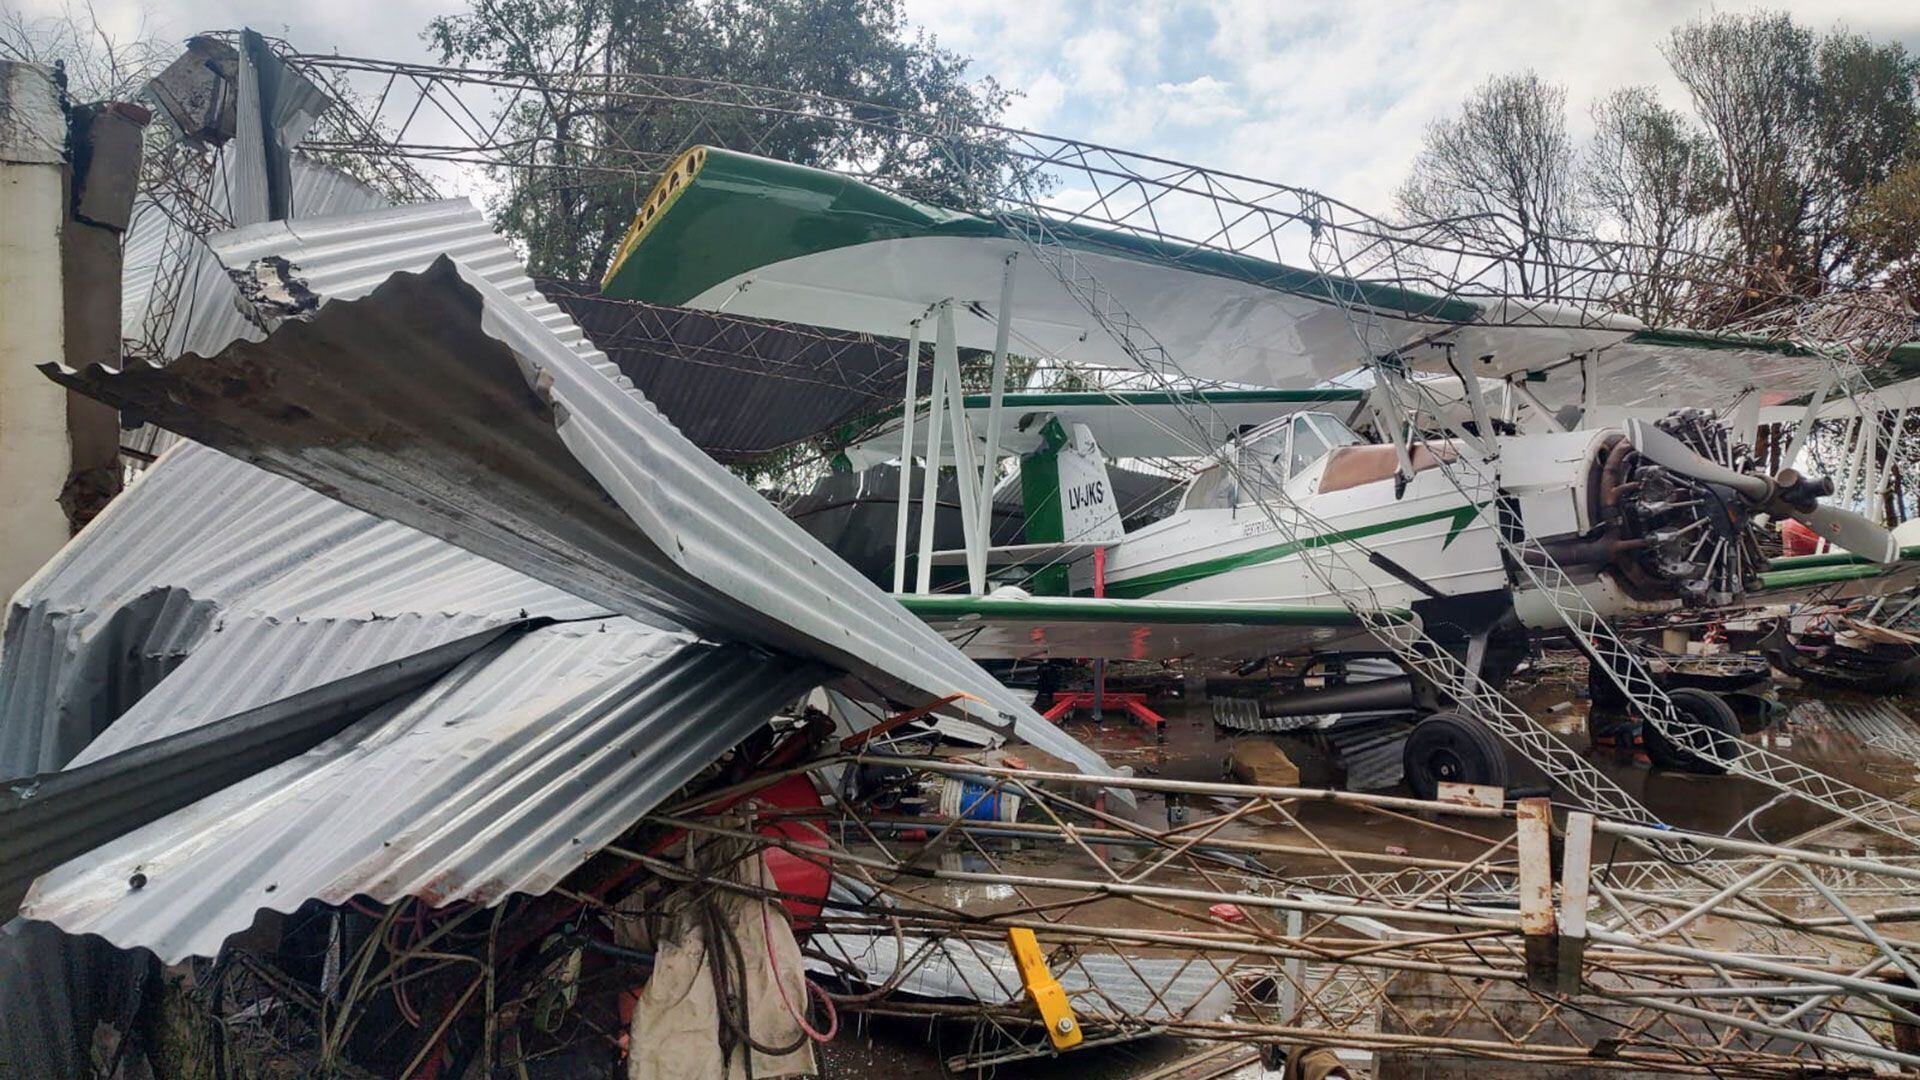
(1711, 725)
(1448, 747)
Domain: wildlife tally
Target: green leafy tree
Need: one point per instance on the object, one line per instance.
(1804, 125)
(1885, 226)
(586, 146)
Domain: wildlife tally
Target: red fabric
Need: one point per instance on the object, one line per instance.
(1797, 539)
(792, 874)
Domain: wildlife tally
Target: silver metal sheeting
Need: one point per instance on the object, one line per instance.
(502, 777)
(280, 586)
(452, 400)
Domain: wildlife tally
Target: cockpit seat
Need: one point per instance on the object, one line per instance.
(1351, 466)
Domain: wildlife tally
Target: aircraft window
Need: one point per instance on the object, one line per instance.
(1309, 445)
(1206, 490)
(1264, 459)
(1335, 432)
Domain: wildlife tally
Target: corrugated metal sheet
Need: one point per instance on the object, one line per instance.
(502, 777)
(54, 989)
(245, 663)
(446, 400)
(740, 388)
(208, 315)
(344, 256)
(207, 550)
(1880, 724)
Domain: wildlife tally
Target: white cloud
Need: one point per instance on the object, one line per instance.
(1327, 96)
(1204, 101)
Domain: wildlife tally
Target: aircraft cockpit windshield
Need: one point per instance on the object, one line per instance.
(1271, 456)
(1314, 436)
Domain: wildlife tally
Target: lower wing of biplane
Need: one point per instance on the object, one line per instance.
(1015, 627)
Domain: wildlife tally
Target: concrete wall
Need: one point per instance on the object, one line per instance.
(35, 454)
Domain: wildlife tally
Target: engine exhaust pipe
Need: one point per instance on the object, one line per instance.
(1376, 695)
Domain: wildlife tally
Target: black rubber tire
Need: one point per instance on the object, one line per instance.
(1449, 747)
(1712, 720)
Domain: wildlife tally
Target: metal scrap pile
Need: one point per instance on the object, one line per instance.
(454, 609)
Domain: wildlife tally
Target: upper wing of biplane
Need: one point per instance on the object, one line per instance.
(1128, 423)
(752, 236)
(1003, 627)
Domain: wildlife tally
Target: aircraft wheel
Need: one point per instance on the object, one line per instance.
(1448, 747)
(1711, 724)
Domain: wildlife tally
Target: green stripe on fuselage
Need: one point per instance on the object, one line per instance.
(1148, 584)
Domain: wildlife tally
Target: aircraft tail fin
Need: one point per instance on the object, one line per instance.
(1069, 497)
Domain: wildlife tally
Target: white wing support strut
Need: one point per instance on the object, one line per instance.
(910, 404)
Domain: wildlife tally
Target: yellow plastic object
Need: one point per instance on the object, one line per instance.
(1044, 990)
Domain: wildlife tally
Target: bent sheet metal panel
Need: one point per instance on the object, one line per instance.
(207, 550)
(440, 401)
(502, 777)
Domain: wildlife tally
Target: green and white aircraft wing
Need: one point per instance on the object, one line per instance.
(733, 232)
(1128, 423)
(1002, 627)
(1835, 576)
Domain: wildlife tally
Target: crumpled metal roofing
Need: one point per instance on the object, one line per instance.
(502, 777)
(445, 399)
(208, 315)
(740, 388)
(281, 588)
(276, 106)
(54, 990)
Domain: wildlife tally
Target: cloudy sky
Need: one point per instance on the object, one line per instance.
(1329, 96)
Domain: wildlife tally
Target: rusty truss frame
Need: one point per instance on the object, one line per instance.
(1268, 915)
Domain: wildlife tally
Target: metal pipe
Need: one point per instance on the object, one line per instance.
(1243, 791)
(910, 406)
(1376, 695)
(1747, 847)
(996, 397)
(929, 505)
(946, 356)
(1546, 415)
(1804, 429)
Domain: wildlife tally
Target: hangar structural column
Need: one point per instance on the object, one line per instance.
(67, 180)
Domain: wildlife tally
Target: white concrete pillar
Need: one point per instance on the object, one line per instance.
(35, 453)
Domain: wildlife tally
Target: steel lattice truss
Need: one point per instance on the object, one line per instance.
(1758, 961)
(404, 116)
(408, 119)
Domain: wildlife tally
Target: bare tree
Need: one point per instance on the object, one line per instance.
(1751, 77)
(1499, 176)
(1655, 180)
(99, 65)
